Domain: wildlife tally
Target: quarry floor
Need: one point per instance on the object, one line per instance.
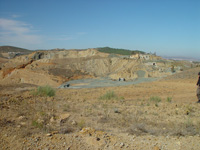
(103, 82)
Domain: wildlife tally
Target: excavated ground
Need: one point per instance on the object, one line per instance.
(103, 82)
(155, 115)
(57, 67)
(160, 114)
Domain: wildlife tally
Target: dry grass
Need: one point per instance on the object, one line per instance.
(44, 91)
(131, 117)
(25, 115)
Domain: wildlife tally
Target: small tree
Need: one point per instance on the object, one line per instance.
(173, 69)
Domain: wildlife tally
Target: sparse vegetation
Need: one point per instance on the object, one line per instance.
(37, 124)
(110, 95)
(119, 51)
(137, 117)
(66, 107)
(44, 91)
(173, 69)
(188, 122)
(169, 99)
(155, 99)
(145, 110)
(81, 124)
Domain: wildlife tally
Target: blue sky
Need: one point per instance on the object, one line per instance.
(167, 27)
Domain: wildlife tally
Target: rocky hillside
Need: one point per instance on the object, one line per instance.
(185, 75)
(55, 67)
(157, 115)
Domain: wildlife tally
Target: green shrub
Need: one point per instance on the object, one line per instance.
(44, 91)
(81, 124)
(108, 96)
(119, 51)
(173, 69)
(121, 98)
(37, 124)
(155, 99)
(169, 99)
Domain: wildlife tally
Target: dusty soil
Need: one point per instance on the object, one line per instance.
(2, 61)
(155, 115)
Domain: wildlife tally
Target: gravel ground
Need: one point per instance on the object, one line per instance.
(103, 82)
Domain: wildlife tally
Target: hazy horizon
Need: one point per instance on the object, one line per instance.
(169, 28)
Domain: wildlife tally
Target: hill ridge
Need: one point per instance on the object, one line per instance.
(6, 49)
(118, 51)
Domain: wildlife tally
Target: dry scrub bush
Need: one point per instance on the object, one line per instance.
(110, 95)
(155, 99)
(169, 99)
(44, 91)
(171, 129)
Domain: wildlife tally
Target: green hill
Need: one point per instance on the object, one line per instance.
(118, 51)
(6, 49)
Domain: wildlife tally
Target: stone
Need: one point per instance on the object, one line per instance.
(48, 134)
(22, 123)
(87, 130)
(54, 132)
(21, 118)
(121, 145)
(74, 122)
(52, 120)
(64, 117)
(40, 121)
(116, 110)
(68, 148)
(156, 148)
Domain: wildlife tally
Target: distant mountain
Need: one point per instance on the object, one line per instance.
(118, 51)
(181, 58)
(6, 49)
